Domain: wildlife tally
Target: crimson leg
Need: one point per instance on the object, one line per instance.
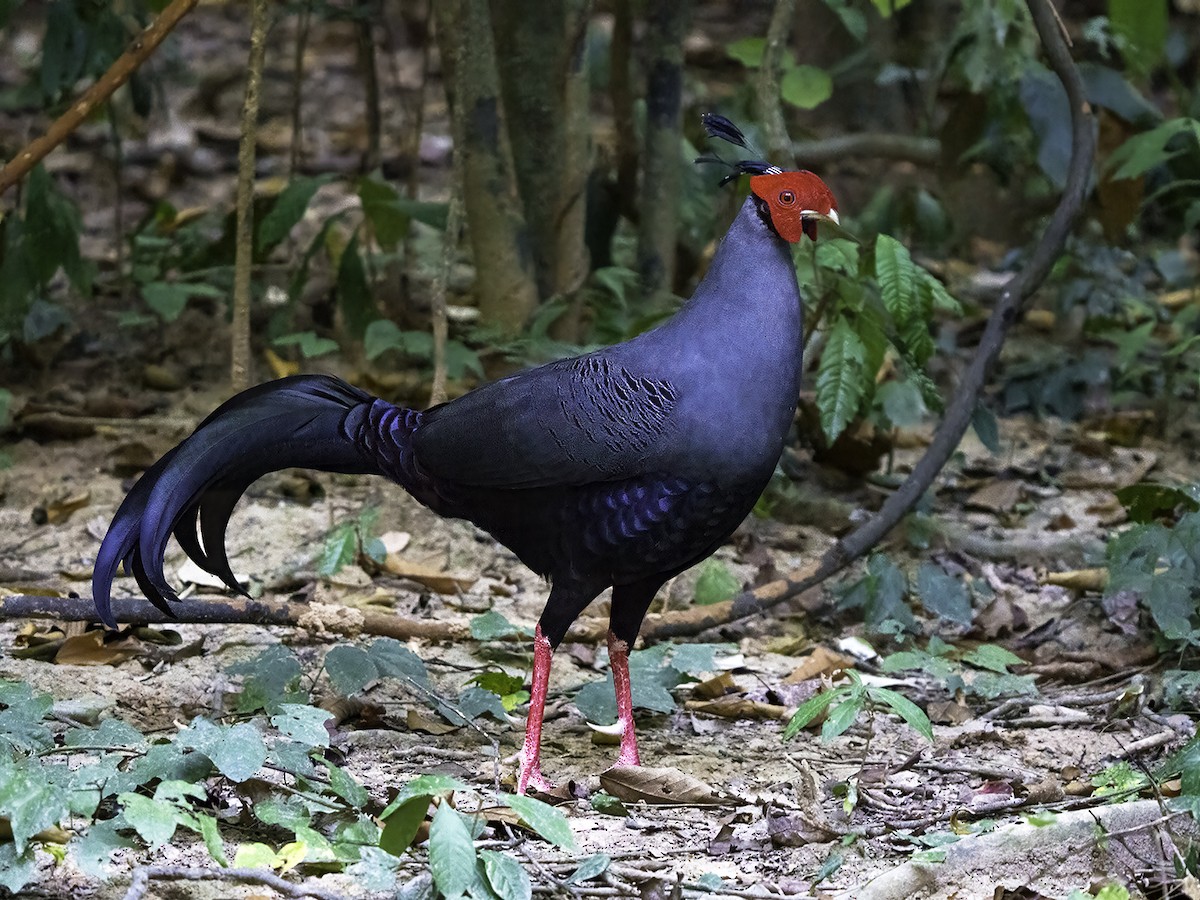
(530, 771)
(618, 658)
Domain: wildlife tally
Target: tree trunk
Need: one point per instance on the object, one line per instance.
(666, 27)
(504, 270)
(543, 74)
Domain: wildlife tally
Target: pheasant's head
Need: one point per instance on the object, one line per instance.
(792, 203)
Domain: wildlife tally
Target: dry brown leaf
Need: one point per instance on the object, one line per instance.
(822, 661)
(737, 707)
(1078, 579)
(997, 496)
(1124, 468)
(280, 367)
(949, 712)
(433, 578)
(717, 686)
(659, 785)
(58, 510)
(89, 649)
(418, 721)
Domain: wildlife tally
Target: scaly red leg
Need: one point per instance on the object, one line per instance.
(529, 759)
(618, 658)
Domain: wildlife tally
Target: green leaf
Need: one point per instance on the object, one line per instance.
(303, 723)
(382, 335)
(309, 342)
(492, 626)
(400, 824)
(394, 660)
(51, 233)
(905, 708)
(748, 51)
(6, 399)
(354, 292)
(238, 751)
(255, 855)
(346, 787)
(451, 853)
(806, 87)
(944, 595)
(17, 868)
(153, 820)
(341, 547)
(887, 7)
(499, 683)
(986, 428)
(1142, 152)
(29, 799)
(506, 876)
(993, 658)
(1147, 502)
(842, 716)
(461, 359)
(592, 867)
(716, 583)
(287, 210)
(809, 710)
(167, 298)
(841, 379)
(111, 734)
(350, 669)
(92, 853)
(272, 679)
(901, 402)
(897, 277)
(426, 786)
(1143, 25)
(212, 838)
(22, 724)
(543, 819)
(1040, 818)
(381, 206)
(375, 871)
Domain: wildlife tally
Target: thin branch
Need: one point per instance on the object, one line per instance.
(961, 407)
(437, 299)
(118, 73)
(925, 151)
(239, 375)
(770, 72)
(143, 875)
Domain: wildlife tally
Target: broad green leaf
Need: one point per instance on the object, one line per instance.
(461, 359)
(809, 710)
(1143, 26)
(698, 659)
(887, 7)
(841, 717)
(255, 855)
(111, 734)
(380, 203)
(748, 51)
(354, 292)
(271, 678)
(499, 683)
(341, 547)
(303, 723)
(29, 799)
(350, 669)
(944, 595)
(841, 380)
(473, 703)
(897, 277)
(492, 626)
(92, 852)
(1142, 152)
(544, 819)
(806, 87)
(400, 824)
(212, 838)
(6, 399)
(905, 708)
(394, 660)
(287, 210)
(22, 724)
(1146, 502)
(153, 820)
(592, 867)
(716, 583)
(238, 751)
(309, 342)
(987, 429)
(993, 658)
(451, 853)
(375, 871)
(17, 869)
(382, 335)
(426, 786)
(901, 402)
(507, 877)
(346, 787)
(1040, 818)
(287, 813)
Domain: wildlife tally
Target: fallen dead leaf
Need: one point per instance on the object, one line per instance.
(58, 510)
(435, 579)
(822, 661)
(418, 721)
(717, 686)
(659, 785)
(997, 496)
(1078, 579)
(1124, 468)
(949, 712)
(89, 649)
(738, 707)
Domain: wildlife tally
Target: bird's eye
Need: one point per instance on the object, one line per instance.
(787, 198)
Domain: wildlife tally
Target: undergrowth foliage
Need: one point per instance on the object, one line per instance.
(267, 772)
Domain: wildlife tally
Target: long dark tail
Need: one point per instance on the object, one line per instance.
(311, 421)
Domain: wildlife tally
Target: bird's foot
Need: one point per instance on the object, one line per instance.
(628, 755)
(529, 775)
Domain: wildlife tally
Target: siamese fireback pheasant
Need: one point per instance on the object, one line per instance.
(621, 467)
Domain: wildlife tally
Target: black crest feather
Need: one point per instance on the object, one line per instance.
(717, 126)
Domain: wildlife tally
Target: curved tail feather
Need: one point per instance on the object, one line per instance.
(315, 422)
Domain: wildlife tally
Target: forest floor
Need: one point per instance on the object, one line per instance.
(779, 812)
(877, 812)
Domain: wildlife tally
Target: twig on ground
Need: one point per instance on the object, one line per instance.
(143, 875)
